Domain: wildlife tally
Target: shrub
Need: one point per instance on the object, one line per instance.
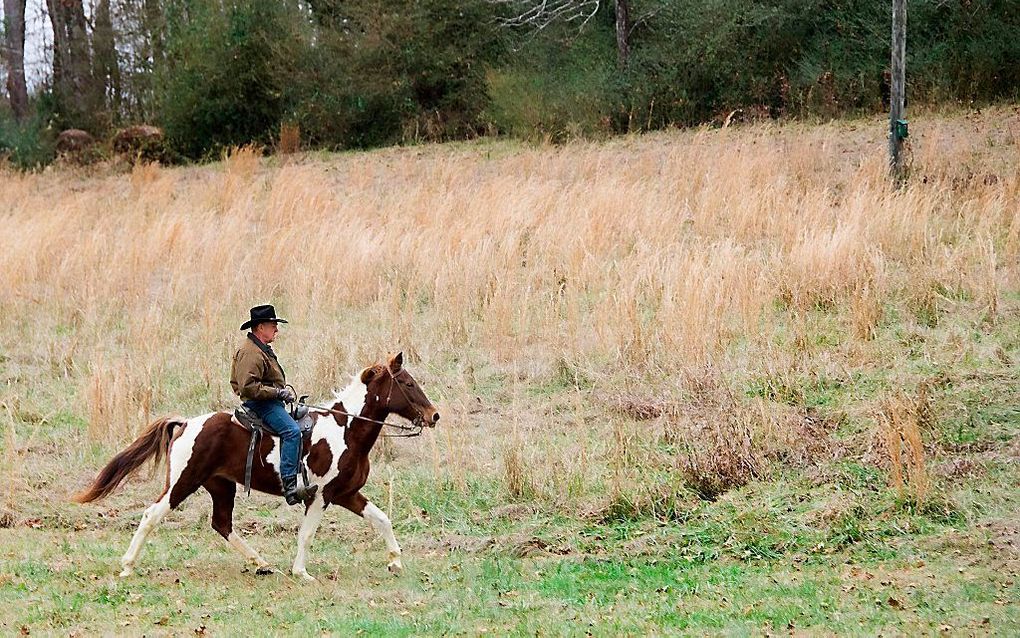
(222, 82)
(28, 144)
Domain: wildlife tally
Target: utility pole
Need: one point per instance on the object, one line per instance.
(897, 124)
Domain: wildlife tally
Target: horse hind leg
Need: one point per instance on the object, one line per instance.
(223, 491)
(150, 519)
(181, 483)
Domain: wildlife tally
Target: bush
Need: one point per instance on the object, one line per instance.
(557, 86)
(395, 71)
(222, 82)
(28, 144)
(692, 63)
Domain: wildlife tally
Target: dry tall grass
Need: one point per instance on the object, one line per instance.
(611, 265)
(902, 420)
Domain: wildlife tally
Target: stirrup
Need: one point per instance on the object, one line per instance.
(291, 490)
(301, 494)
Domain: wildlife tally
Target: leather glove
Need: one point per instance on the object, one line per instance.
(286, 395)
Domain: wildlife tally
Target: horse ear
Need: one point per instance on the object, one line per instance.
(396, 362)
(367, 374)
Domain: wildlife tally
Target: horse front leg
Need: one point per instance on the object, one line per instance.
(380, 523)
(309, 523)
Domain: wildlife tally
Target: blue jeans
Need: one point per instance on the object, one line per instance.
(280, 423)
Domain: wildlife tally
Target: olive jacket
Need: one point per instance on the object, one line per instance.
(256, 375)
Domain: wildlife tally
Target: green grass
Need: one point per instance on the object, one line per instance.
(823, 548)
(746, 564)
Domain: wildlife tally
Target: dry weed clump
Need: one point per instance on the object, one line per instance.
(902, 420)
(290, 138)
(720, 438)
(865, 311)
(719, 452)
(518, 477)
(728, 440)
(643, 407)
(119, 399)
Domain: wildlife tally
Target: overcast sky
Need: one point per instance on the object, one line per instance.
(38, 39)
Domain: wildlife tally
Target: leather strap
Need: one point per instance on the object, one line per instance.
(256, 434)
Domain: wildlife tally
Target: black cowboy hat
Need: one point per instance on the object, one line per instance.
(262, 314)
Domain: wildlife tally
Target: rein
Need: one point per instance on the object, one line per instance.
(413, 430)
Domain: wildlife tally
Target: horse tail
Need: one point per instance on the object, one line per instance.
(153, 443)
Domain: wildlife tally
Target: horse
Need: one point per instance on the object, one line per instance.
(210, 451)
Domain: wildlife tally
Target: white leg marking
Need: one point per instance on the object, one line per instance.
(152, 516)
(245, 549)
(180, 454)
(309, 524)
(381, 524)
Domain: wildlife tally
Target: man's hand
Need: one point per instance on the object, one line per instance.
(286, 395)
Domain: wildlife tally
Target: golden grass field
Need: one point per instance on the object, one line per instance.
(616, 331)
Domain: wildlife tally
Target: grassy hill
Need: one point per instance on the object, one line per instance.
(702, 382)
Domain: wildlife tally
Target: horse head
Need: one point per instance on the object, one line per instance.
(399, 393)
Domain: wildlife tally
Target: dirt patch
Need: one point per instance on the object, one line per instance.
(528, 546)
(513, 511)
(520, 545)
(959, 468)
(1004, 535)
(457, 543)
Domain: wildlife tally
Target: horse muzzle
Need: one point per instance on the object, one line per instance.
(430, 418)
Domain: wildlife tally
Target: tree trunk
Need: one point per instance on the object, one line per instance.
(898, 88)
(104, 57)
(154, 25)
(72, 77)
(622, 33)
(14, 54)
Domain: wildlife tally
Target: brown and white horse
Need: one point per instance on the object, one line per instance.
(210, 451)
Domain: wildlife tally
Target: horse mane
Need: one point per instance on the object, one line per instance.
(352, 396)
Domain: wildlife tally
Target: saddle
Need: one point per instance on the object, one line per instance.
(252, 422)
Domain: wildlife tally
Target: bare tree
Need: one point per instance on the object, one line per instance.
(539, 14)
(14, 54)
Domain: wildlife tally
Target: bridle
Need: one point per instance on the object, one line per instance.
(404, 431)
(419, 419)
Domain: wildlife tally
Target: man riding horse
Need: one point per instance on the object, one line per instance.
(258, 378)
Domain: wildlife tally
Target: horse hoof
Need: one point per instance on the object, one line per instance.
(395, 568)
(308, 578)
(264, 570)
(127, 571)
